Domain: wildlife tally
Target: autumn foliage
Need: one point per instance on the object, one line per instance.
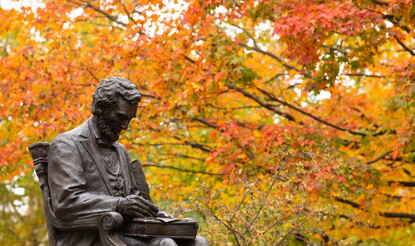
(272, 122)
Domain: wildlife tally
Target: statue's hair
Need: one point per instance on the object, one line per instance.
(106, 93)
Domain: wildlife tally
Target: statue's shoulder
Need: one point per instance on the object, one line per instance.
(74, 135)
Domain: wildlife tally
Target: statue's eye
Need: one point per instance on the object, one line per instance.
(121, 116)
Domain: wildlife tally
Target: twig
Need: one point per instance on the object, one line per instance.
(206, 123)
(182, 169)
(194, 145)
(128, 13)
(189, 59)
(89, 5)
(274, 77)
(276, 177)
(234, 232)
(379, 158)
(267, 106)
(91, 73)
(289, 67)
(256, 48)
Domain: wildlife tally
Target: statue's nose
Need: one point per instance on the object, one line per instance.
(124, 125)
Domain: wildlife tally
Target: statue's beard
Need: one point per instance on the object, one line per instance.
(106, 130)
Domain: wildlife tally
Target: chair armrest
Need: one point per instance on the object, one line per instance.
(88, 223)
(108, 225)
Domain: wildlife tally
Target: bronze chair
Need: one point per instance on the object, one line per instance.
(108, 224)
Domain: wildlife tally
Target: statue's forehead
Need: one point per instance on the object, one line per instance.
(126, 108)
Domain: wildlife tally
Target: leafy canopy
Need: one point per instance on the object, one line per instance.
(271, 121)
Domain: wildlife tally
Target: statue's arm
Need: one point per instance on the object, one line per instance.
(67, 183)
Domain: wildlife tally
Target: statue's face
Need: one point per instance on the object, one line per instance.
(116, 118)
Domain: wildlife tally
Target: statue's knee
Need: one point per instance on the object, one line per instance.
(167, 242)
(201, 241)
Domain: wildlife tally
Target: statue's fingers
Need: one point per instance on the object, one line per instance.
(133, 211)
(136, 214)
(147, 208)
(148, 203)
(150, 211)
(143, 211)
(144, 205)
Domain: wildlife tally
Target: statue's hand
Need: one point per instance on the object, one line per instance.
(137, 207)
(163, 214)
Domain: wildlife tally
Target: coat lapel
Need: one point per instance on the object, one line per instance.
(92, 150)
(91, 147)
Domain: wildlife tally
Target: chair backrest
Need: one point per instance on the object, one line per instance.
(139, 180)
(39, 152)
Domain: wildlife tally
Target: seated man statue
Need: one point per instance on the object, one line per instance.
(90, 172)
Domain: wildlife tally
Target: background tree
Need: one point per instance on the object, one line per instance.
(273, 122)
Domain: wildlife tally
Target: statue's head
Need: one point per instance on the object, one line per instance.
(114, 105)
(108, 91)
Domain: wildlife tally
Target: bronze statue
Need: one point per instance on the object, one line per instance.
(89, 172)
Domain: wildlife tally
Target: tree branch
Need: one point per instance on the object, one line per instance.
(403, 183)
(381, 213)
(404, 46)
(392, 19)
(248, 34)
(235, 108)
(381, 2)
(184, 156)
(364, 75)
(272, 97)
(89, 5)
(267, 106)
(351, 203)
(204, 148)
(181, 169)
(289, 67)
(398, 215)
